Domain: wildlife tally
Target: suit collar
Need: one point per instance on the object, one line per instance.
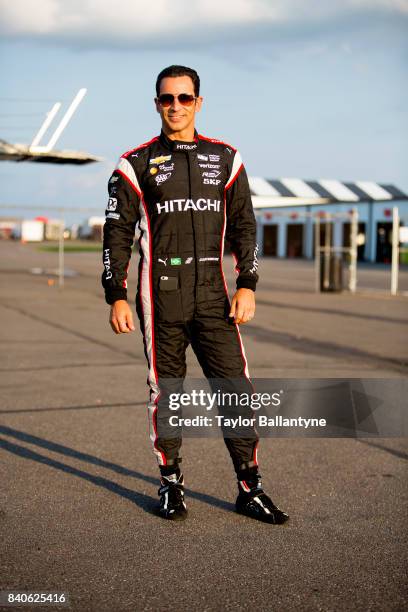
(179, 145)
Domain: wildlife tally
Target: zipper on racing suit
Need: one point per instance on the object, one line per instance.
(193, 228)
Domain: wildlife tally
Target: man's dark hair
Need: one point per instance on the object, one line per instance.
(178, 71)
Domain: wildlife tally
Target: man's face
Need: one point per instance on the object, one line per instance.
(177, 117)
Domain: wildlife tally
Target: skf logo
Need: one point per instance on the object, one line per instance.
(160, 160)
(211, 181)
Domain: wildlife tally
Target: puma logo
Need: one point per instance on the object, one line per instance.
(163, 261)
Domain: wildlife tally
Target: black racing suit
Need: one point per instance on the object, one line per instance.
(183, 199)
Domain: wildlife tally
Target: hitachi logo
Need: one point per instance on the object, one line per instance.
(107, 264)
(183, 205)
(186, 147)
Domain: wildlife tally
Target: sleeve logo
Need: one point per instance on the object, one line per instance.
(112, 204)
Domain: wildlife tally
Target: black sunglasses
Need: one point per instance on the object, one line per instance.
(167, 99)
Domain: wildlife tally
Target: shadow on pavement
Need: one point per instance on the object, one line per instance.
(332, 311)
(391, 451)
(319, 347)
(65, 366)
(145, 502)
(73, 332)
(89, 407)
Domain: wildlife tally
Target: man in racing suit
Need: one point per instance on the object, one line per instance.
(183, 194)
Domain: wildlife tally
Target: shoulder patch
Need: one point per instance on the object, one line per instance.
(142, 146)
(216, 141)
(235, 170)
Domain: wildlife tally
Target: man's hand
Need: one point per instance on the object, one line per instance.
(243, 306)
(121, 318)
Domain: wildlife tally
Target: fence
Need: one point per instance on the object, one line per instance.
(322, 216)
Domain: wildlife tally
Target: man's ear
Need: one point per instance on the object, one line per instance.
(199, 103)
(156, 101)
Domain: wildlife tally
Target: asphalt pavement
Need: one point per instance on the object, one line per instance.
(79, 480)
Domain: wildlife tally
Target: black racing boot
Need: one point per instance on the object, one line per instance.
(172, 504)
(253, 501)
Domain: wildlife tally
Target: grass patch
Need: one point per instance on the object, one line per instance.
(72, 248)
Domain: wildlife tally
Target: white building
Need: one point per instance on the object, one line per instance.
(284, 230)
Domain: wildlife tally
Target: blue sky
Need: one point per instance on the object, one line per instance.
(303, 90)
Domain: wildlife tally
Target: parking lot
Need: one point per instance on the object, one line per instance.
(80, 481)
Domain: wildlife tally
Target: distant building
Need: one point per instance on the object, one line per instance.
(9, 227)
(32, 230)
(92, 228)
(284, 230)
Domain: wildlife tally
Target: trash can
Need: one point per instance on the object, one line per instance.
(331, 279)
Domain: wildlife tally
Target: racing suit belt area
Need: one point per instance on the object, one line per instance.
(182, 199)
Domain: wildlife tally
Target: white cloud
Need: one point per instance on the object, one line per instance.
(400, 6)
(17, 19)
(132, 19)
(131, 22)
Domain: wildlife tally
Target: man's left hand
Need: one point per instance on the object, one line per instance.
(243, 306)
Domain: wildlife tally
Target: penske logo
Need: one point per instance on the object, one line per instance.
(160, 160)
(183, 205)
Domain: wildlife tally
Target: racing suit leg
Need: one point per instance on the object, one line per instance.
(165, 351)
(171, 342)
(220, 352)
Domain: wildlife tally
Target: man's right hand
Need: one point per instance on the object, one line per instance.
(121, 318)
